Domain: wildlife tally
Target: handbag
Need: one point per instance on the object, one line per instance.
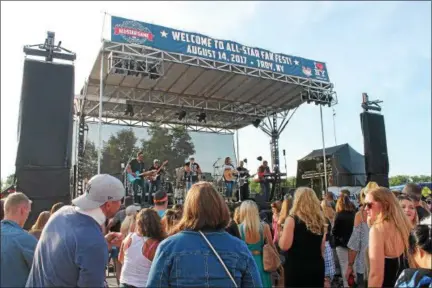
(271, 259)
(219, 258)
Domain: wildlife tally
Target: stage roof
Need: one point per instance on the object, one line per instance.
(159, 71)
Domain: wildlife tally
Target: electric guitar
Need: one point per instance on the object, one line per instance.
(131, 178)
(243, 180)
(154, 177)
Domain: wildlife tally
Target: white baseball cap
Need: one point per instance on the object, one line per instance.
(100, 189)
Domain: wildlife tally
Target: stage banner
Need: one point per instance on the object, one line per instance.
(193, 44)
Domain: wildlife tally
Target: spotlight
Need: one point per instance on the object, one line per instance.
(259, 158)
(245, 160)
(181, 115)
(201, 117)
(129, 110)
(256, 123)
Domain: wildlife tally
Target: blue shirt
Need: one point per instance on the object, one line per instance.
(72, 252)
(186, 260)
(17, 250)
(161, 213)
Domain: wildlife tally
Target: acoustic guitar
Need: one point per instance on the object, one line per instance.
(230, 175)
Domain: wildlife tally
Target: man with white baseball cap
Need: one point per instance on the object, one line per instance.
(72, 244)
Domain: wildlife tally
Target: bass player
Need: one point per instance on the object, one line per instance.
(137, 166)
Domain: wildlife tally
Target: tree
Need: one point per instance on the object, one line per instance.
(89, 160)
(173, 145)
(403, 179)
(118, 149)
(8, 181)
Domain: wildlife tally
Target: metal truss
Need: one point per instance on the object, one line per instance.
(134, 123)
(274, 126)
(319, 97)
(143, 52)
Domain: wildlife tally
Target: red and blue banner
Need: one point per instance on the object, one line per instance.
(194, 44)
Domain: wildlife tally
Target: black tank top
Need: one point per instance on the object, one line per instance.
(393, 267)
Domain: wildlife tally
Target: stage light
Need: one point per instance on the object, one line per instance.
(201, 117)
(259, 158)
(245, 160)
(256, 123)
(129, 110)
(181, 115)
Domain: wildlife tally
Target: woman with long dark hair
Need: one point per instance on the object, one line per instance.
(342, 230)
(421, 251)
(138, 249)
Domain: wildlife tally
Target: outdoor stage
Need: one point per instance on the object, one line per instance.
(148, 73)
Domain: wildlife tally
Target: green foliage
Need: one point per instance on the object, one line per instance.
(403, 179)
(90, 160)
(5, 183)
(118, 149)
(174, 145)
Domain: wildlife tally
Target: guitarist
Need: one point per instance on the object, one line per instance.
(244, 189)
(134, 166)
(229, 177)
(155, 183)
(192, 170)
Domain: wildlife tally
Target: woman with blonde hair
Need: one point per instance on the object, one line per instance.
(128, 224)
(303, 237)
(255, 234)
(236, 216)
(40, 223)
(388, 237)
(408, 206)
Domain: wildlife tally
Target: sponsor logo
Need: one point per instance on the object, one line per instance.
(307, 71)
(133, 32)
(319, 66)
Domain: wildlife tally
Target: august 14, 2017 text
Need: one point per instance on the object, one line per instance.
(232, 52)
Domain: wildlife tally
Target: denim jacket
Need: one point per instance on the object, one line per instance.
(17, 250)
(186, 260)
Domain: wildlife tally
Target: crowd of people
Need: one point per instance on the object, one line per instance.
(385, 242)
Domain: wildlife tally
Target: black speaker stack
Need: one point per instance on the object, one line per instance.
(375, 148)
(45, 128)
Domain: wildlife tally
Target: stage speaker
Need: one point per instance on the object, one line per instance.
(44, 187)
(45, 115)
(375, 148)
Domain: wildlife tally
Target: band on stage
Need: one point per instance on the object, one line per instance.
(145, 182)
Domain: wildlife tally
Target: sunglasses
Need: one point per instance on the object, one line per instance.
(368, 205)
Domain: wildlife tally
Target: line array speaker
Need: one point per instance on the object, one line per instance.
(375, 148)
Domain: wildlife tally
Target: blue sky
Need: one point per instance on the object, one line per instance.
(382, 48)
